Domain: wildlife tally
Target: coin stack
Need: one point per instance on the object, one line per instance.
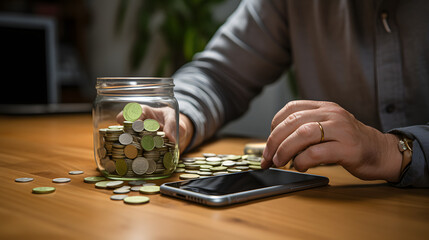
(211, 164)
(138, 148)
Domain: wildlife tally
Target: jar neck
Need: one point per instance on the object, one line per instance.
(135, 86)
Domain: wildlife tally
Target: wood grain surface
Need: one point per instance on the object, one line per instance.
(46, 147)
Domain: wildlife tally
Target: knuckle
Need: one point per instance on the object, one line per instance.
(294, 117)
(290, 105)
(304, 131)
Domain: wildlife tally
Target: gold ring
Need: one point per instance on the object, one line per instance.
(322, 132)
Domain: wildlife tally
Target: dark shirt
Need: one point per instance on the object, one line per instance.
(369, 56)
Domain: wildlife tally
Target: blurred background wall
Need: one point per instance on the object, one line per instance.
(107, 38)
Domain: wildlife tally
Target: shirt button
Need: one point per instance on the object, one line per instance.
(390, 108)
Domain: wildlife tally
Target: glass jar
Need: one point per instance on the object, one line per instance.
(136, 131)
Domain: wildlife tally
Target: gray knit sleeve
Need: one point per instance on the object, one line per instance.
(248, 52)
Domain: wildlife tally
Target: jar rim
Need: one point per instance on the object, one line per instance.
(137, 85)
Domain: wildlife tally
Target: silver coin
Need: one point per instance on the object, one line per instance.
(137, 183)
(121, 191)
(242, 163)
(115, 184)
(242, 167)
(152, 166)
(138, 125)
(191, 160)
(140, 165)
(219, 173)
(125, 138)
(213, 159)
(254, 158)
(135, 188)
(61, 180)
(228, 163)
(77, 172)
(118, 197)
(204, 173)
(125, 187)
(24, 179)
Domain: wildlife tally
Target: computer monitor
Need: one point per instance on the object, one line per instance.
(28, 72)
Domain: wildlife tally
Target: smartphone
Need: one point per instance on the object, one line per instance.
(239, 187)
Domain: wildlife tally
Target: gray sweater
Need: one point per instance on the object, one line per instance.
(369, 56)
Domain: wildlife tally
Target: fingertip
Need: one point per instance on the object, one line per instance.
(276, 160)
(266, 163)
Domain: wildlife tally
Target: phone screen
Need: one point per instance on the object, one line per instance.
(244, 181)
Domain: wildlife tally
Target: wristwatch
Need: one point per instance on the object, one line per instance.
(405, 146)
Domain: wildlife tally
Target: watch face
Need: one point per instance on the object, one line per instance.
(402, 146)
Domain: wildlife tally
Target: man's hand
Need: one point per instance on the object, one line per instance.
(167, 120)
(362, 150)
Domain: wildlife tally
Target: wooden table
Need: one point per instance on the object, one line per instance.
(46, 147)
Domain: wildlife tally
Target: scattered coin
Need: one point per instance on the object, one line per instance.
(121, 190)
(218, 169)
(213, 159)
(219, 173)
(206, 166)
(61, 180)
(136, 200)
(115, 184)
(228, 163)
(255, 167)
(188, 176)
(242, 167)
(94, 179)
(136, 188)
(149, 189)
(204, 173)
(76, 172)
(101, 184)
(43, 190)
(118, 197)
(24, 179)
(137, 183)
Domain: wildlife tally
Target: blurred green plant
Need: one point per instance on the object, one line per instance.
(186, 28)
